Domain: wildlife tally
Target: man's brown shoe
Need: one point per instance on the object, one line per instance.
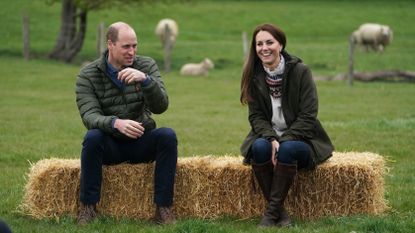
(164, 215)
(86, 214)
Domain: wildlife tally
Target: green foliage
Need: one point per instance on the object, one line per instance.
(40, 120)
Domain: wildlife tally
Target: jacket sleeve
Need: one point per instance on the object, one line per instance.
(305, 115)
(89, 107)
(260, 124)
(155, 94)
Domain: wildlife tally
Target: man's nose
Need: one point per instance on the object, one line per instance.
(131, 50)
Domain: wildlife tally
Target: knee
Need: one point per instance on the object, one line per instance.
(260, 145)
(294, 147)
(261, 150)
(286, 152)
(286, 148)
(291, 151)
(167, 135)
(93, 137)
(167, 141)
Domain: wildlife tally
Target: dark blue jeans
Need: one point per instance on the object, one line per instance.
(4, 228)
(290, 152)
(159, 145)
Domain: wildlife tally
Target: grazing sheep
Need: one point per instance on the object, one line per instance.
(161, 30)
(371, 35)
(193, 69)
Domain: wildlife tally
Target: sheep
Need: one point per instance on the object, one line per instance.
(161, 31)
(371, 35)
(197, 69)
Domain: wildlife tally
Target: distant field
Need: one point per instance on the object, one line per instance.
(317, 31)
(39, 118)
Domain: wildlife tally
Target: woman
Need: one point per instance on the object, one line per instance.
(285, 132)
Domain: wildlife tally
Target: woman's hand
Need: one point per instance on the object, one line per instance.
(275, 146)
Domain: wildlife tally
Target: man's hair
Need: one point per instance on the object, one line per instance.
(112, 34)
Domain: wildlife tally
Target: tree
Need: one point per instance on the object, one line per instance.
(72, 31)
(74, 24)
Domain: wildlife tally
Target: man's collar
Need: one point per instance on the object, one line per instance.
(111, 69)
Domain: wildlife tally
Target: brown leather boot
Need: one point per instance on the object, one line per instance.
(275, 214)
(164, 215)
(86, 214)
(264, 173)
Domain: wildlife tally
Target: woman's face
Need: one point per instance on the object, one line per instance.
(268, 49)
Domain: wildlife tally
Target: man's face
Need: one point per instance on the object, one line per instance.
(122, 51)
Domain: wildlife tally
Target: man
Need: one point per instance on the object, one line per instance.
(116, 95)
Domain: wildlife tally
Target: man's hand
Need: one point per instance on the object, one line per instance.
(129, 128)
(130, 75)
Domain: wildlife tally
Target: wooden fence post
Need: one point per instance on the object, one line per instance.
(26, 38)
(245, 44)
(101, 40)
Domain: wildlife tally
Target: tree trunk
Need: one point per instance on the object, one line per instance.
(71, 35)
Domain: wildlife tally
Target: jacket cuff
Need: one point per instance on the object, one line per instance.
(113, 124)
(147, 81)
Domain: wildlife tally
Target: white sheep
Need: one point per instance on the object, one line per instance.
(197, 69)
(371, 35)
(161, 31)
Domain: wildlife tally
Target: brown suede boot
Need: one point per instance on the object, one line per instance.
(86, 214)
(264, 173)
(275, 214)
(164, 215)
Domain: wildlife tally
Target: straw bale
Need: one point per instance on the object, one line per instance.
(210, 187)
(52, 188)
(348, 183)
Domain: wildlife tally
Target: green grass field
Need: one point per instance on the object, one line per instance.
(39, 118)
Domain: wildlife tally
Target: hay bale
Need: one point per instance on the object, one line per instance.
(209, 187)
(347, 184)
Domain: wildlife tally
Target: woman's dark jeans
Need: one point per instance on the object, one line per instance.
(290, 152)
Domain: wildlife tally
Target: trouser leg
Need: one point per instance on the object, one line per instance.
(165, 171)
(97, 149)
(294, 152)
(159, 145)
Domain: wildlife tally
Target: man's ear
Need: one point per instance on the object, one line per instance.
(110, 44)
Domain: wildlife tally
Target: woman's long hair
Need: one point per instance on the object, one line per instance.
(253, 61)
